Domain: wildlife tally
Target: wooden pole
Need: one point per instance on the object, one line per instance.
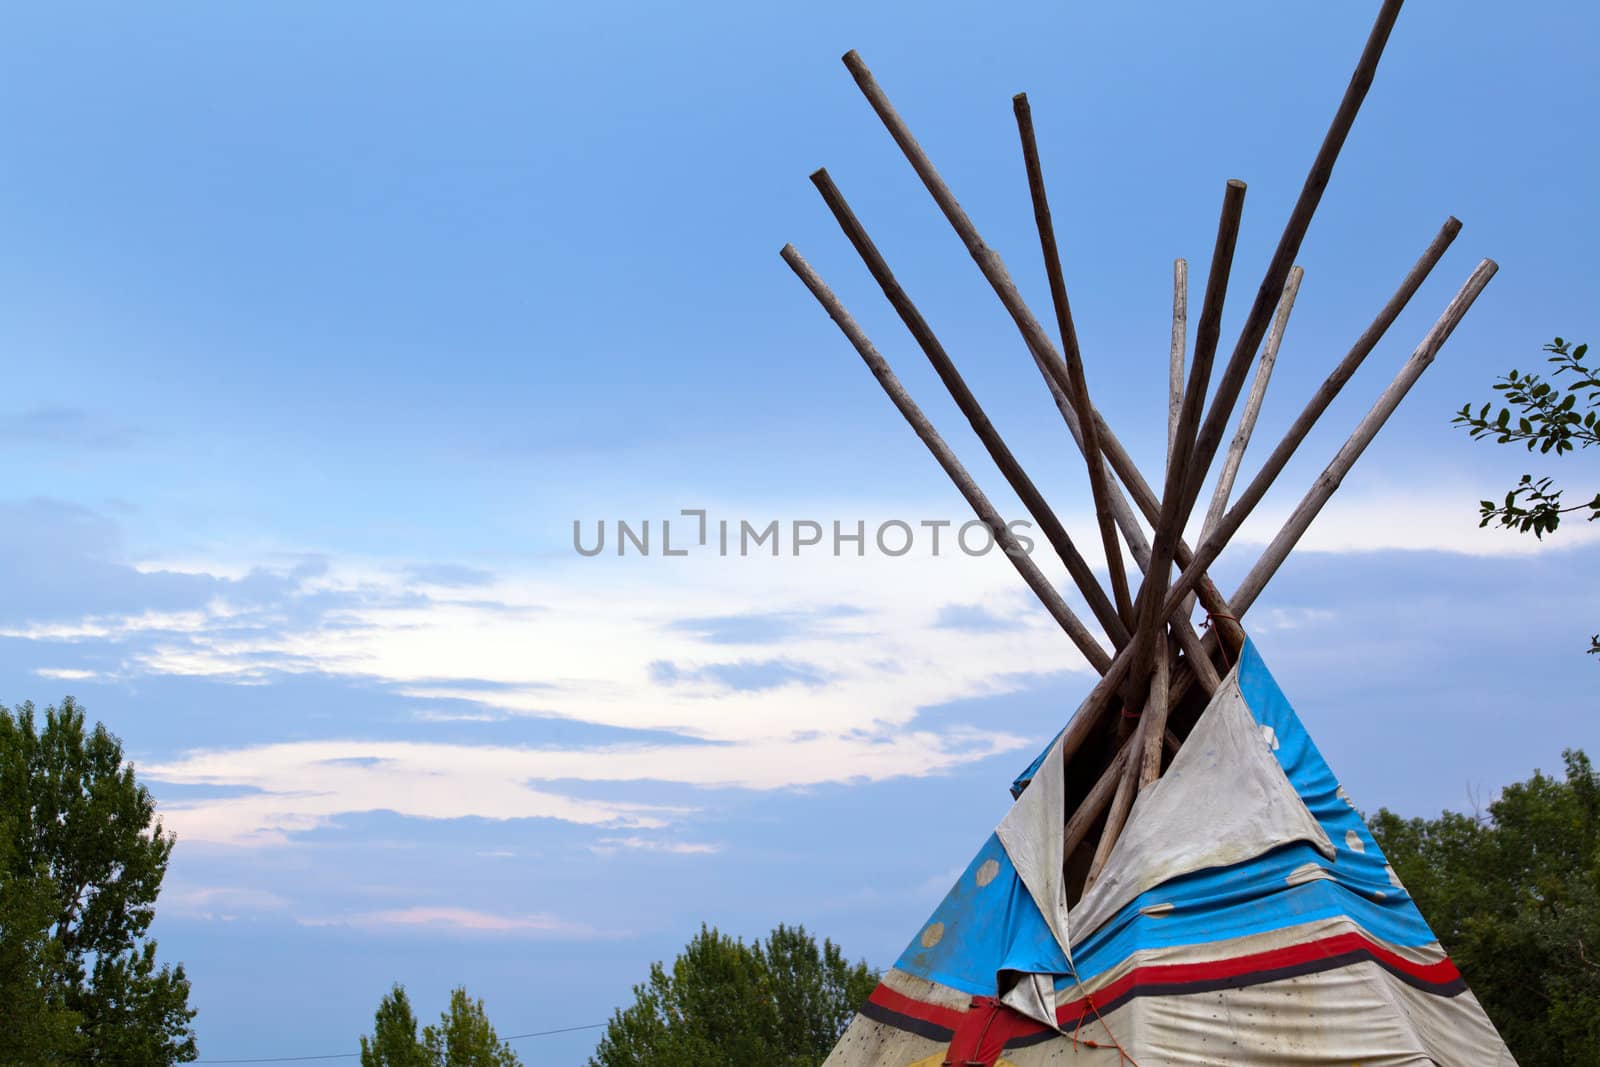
(1321, 490)
(1030, 573)
(1099, 478)
(1180, 317)
(1188, 640)
(1045, 357)
(1095, 801)
(1252, 406)
(1274, 464)
(1155, 731)
(1121, 803)
(1209, 330)
(1095, 705)
(1140, 547)
(1024, 487)
(1283, 257)
(1174, 514)
(1175, 368)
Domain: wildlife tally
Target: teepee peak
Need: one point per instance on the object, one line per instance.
(1181, 878)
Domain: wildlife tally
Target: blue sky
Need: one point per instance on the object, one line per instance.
(324, 324)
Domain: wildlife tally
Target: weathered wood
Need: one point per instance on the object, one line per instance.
(1182, 628)
(1100, 698)
(1235, 516)
(1121, 803)
(1050, 363)
(1328, 481)
(1094, 802)
(1139, 545)
(1082, 574)
(1180, 344)
(1155, 731)
(1099, 478)
(1252, 406)
(1209, 329)
(1283, 257)
(1174, 513)
(1210, 596)
(1058, 609)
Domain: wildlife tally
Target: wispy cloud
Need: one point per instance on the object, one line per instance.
(768, 627)
(435, 715)
(65, 674)
(609, 845)
(448, 575)
(745, 676)
(1439, 518)
(222, 903)
(303, 786)
(1273, 620)
(977, 619)
(864, 647)
(461, 920)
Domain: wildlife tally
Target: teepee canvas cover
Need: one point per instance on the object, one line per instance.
(1245, 916)
(1181, 879)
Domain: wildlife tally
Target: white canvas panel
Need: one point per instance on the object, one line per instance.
(1224, 800)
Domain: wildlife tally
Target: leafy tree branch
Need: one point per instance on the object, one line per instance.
(1560, 414)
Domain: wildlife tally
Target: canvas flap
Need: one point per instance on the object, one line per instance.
(1224, 800)
(1031, 836)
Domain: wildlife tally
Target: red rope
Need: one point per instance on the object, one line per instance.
(1221, 644)
(1123, 1055)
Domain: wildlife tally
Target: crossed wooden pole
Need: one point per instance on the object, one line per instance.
(1156, 655)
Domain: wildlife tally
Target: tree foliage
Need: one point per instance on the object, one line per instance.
(82, 856)
(1514, 896)
(462, 1038)
(783, 1002)
(1558, 415)
(394, 1034)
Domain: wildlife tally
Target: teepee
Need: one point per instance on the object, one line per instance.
(1181, 879)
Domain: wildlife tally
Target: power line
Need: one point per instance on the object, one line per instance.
(353, 1055)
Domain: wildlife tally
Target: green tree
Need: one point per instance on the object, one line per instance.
(394, 1034)
(1514, 896)
(82, 856)
(33, 1012)
(464, 1037)
(783, 1002)
(1558, 416)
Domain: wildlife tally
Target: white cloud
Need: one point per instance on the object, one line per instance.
(585, 640)
(222, 903)
(100, 627)
(64, 674)
(1275, 620)
(305, 785)
(609, 845)
(776, 672)
(462, 920)
(1435, 519)
(433, 715)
